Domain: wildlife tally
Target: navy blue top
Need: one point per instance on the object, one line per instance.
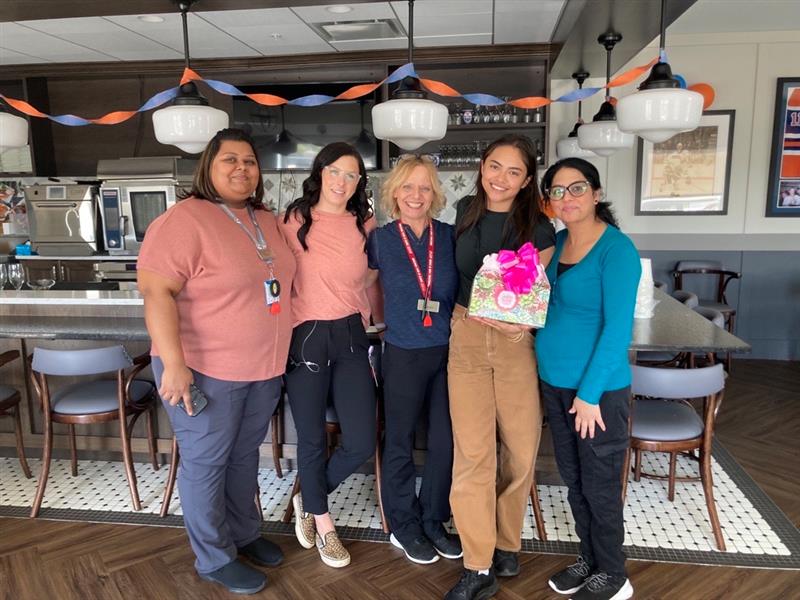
(385, 252)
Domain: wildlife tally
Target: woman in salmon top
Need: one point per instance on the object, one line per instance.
(327, 230)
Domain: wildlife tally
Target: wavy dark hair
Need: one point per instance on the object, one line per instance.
(602, 210)
(357, 205)
(525, 210)
(203, 188)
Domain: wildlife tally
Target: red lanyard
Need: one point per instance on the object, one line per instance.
(424, 286)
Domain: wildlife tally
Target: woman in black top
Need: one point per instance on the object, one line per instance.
(493, 382)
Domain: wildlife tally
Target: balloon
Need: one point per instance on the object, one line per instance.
(681, 80)
(707, 91)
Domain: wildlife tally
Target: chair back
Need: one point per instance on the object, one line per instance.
(698, 265)
(688, 298)
(677, 383)
(91, 361)
(716, 317)
(660, 285)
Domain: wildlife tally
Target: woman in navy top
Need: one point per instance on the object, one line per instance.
(414, 257)
(585, 377)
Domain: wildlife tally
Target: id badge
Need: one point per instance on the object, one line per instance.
(272, 291)
(431, 306)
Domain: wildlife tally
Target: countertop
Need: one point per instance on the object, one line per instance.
(63, 298)
(90, 258)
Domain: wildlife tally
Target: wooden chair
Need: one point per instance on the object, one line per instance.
(277, 454)
(333, 430)
(9, 407)
(718, 319)
(661, 286)
(537, 510)
(97, 401)
(665, 421)
(719, 302)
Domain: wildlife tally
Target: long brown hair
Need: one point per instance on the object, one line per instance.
(203, 188)
(525, 210)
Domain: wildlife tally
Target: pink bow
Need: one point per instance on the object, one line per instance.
(519, 269)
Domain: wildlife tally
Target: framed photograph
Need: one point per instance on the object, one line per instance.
(690, 172)
(783, 191)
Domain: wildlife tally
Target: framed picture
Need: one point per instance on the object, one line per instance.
(690, 172)
(783, 192)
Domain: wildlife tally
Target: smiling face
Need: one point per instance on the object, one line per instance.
(414, 196)
(503, 174)
(339, 182)
(234, 172)
(572, 209)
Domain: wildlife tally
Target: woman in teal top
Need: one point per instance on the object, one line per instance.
(582, 353)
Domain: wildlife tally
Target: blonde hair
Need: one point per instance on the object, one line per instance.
(400, 174)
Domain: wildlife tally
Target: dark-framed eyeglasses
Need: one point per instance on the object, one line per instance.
(576, 189)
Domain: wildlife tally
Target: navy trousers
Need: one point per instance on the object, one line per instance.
(414, 386)
(592, 471)
(328, 364)
(218, 473)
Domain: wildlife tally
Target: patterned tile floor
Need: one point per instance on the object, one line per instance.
(756, 532)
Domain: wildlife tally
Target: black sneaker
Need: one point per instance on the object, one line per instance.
(263, 552)
(571, 579)
(237, 578)
(474, 586)
(418, 550)
(506, 563)
(602, 586)
(446, 544)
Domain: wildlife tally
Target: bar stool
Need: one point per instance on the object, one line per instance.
(95, 401)
(9, 407)
(665, 421)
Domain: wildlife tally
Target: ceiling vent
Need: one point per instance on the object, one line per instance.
(357, 31)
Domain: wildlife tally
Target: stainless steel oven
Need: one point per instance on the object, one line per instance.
(133, 193)
(63, 218)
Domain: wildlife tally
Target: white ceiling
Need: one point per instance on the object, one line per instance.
(274, 31)
(732, 16)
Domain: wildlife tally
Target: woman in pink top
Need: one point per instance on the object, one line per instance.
(327, 230)
(219, 338)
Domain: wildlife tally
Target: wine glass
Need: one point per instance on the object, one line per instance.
(3, 275)
(43, 283)
(16, 276)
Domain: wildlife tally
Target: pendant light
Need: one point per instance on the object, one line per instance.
(661, 108)
(602, 135)
(409, 119)
(13, 129)
(568, 147)
(365, 144)
(189, 123)
(284, 144)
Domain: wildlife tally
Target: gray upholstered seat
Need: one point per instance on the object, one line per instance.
(96, 397)
(688, 298)
(6, 391)
(665, 421)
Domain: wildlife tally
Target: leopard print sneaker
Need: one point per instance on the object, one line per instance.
(331, 550)
(304, 527)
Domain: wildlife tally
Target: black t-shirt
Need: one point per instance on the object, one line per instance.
(488, 237)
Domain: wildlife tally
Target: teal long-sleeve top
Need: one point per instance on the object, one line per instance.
(584, 343)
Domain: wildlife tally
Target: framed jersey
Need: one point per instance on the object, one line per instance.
(783, 194)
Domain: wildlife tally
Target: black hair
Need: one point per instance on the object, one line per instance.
(602, 210)
(357, 205)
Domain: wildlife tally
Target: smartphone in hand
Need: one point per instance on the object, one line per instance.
(199, 401)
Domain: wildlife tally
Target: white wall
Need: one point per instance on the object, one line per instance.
(742, 68)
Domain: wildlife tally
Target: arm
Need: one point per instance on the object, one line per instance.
(161, 318)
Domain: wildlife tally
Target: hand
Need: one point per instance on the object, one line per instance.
(175, 382)
(507, 328)
(586, 417)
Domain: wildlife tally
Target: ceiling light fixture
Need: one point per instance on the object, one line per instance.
(339, 9)
(569, 147)
(602, 136)
(150, 18)
(284, 144)
(189, 123)
(13, 129)
(661, 108)
(409, 119)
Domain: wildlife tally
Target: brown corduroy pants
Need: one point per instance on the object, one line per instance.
(494, 397)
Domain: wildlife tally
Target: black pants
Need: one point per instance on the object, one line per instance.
(328, 361)
(592, 470)
(415, 382)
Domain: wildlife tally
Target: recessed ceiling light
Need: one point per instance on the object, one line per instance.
(151, 19)
(276, 36)
(338, 9)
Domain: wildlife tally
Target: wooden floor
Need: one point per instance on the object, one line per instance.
(759, 423)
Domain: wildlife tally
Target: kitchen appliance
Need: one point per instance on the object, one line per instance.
(63, 218)
(134, 191)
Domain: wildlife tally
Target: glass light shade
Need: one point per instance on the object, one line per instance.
(189, 127)
(13, 131)
(658, 114)
(603, 137)
(569, 147)
(409, 123)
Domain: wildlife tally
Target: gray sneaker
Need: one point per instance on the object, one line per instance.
(570, 580)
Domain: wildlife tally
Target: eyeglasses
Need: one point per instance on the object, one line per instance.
(576, 188)
(349, 176)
